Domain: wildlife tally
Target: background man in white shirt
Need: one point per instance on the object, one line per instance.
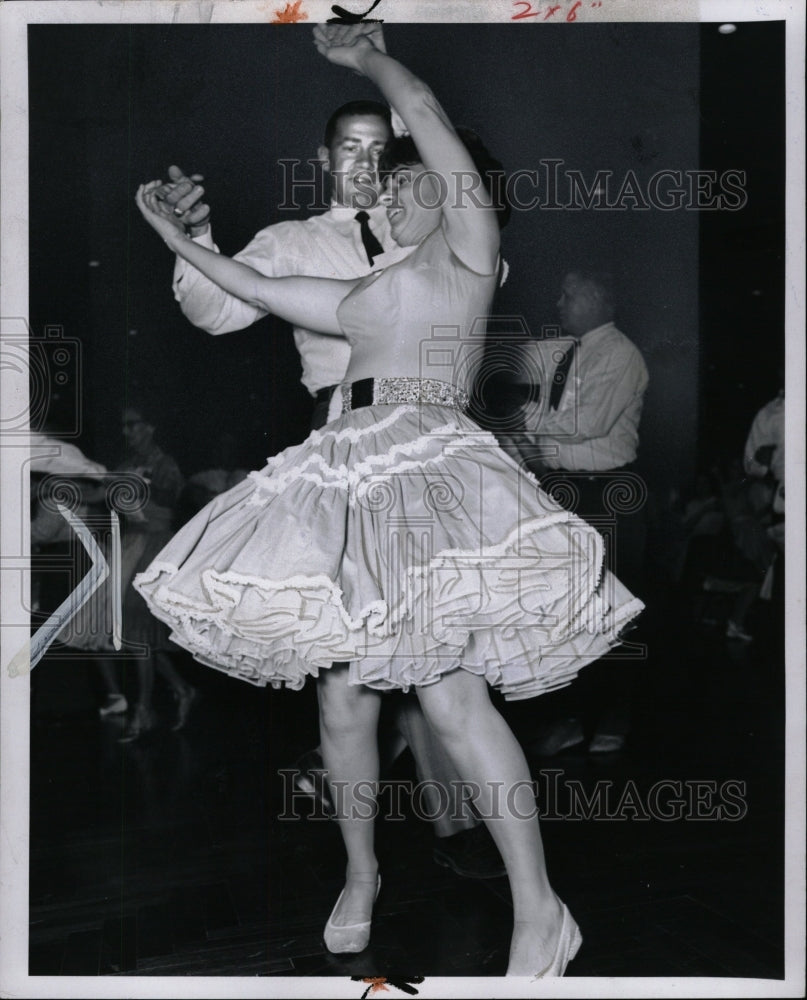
(764, 460)
(764, 454)
(335, 244)
(580, 436)
(586, 418)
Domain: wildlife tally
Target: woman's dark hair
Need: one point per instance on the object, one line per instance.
(401, 151)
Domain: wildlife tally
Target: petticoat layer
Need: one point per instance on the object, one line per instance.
(400, 539)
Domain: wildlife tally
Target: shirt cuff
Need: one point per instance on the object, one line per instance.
(206, 240)
(182, 267)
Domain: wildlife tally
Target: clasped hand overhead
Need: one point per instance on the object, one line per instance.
(346, 45)
(157, 213)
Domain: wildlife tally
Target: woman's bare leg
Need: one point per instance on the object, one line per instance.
(143, 718)
(174, 679)
(109, 678)
(348, 719)
(486, 754)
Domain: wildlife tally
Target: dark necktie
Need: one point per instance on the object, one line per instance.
(371, 245)
(560, 376)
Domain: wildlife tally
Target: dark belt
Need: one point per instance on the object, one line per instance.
(601, 474)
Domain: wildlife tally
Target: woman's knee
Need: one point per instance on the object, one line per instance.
(346, 709)
(454, 703)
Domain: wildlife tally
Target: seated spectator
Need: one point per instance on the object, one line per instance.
(764, 458)
(737, 561)
(223, 474)
(689, 524)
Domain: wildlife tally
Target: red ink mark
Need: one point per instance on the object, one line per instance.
(290, 14)
(527, 10)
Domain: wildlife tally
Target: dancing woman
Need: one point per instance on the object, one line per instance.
(399, 546)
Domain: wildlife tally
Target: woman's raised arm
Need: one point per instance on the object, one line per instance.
(469, 219)
(307, 302)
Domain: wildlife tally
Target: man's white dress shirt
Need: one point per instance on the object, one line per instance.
(324, 246)
(595, 427)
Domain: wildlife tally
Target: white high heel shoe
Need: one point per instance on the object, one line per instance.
(568, 946)
(340, 939)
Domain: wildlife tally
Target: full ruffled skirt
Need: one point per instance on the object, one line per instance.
(400, 539)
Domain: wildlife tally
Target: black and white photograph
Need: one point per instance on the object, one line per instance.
(402, 447)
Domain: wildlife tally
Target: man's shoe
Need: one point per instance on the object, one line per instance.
(471, 853)
(557, 736)
(310, 780)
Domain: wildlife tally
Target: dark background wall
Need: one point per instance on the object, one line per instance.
(742, 281)
(111, 106)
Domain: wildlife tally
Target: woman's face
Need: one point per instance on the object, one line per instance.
(413, 197)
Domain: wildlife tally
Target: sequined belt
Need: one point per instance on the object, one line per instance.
(385, 391)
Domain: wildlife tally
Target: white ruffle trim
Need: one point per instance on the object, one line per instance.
(303, 626)
(359, 479)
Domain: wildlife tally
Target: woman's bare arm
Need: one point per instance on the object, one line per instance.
(469, 221)
(307, 302)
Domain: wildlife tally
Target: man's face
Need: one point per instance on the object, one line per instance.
(352, 159)
(136, 432)
(579, 305)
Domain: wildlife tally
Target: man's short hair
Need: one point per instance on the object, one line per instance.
(352, 109)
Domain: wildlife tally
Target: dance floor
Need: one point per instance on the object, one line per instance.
(169, 856)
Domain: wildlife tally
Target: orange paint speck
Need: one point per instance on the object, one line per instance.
(290, 14)
(376, 983)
